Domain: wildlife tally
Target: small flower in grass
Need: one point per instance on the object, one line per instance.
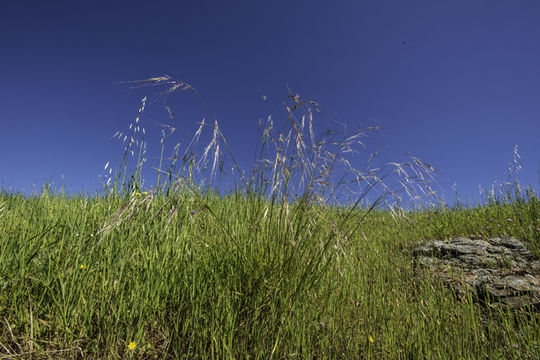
(138, 193)
(371, 339)
(132, 345)
(145, 192)
(82, 267)
(509, 219)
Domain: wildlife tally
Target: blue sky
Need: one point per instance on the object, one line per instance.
(457, 83)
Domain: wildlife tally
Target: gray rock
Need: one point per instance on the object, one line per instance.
(498, 270)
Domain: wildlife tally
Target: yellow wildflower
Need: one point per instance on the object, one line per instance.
(82, 267)
(371, 339)
(132, 345)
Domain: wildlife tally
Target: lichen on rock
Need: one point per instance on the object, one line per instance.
(496, 270)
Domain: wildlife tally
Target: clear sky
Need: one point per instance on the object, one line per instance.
(455, 82)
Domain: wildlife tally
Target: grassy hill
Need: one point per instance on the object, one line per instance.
(190, 277)
(175, 272)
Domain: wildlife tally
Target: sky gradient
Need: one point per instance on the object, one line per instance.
(456, 83)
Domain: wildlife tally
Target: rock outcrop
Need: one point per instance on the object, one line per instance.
(498, 270)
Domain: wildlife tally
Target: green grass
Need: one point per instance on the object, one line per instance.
(197, 275)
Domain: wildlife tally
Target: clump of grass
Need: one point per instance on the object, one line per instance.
(276, 269)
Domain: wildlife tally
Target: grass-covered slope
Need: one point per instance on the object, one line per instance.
(242, 279)
(271, 271)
